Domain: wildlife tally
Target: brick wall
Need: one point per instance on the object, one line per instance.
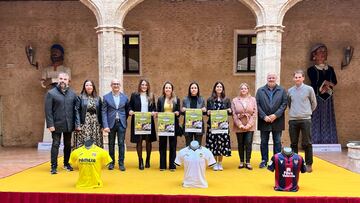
(40, 24)
(335, 23)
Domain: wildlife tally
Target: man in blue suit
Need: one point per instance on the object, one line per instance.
(115, 111)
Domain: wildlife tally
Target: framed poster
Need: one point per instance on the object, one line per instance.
(166, 124)
(219, 122)
(193, 121)
(142, 123)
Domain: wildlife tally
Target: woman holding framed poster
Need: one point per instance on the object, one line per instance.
(193, 102)
(244, 111)
(142, 101)
(169, 102)
(217, 141)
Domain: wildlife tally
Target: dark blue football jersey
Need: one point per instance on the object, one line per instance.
(287, 169)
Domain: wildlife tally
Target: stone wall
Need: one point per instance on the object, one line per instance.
(181, 41)
(40, 23)
(189, 41)
(335, 23)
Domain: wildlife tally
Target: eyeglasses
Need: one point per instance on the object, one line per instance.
(115, 84)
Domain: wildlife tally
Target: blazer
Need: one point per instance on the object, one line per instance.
(81, 104)
(135, 105)
(59, 109)
(277, 106)
(246, 116)
(200, 104)
(109, 110)
(176, 107)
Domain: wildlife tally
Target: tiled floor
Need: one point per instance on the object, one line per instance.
(14, 160)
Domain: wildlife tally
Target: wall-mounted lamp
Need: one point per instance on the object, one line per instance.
(348, 53)
(30, 53)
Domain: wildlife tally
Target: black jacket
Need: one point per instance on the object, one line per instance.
(266, 108)
(135, 105)
(59, 109)
(81, 104)
(176, 107)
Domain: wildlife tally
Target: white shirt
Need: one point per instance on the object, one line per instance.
(144, 103)
(195, 166)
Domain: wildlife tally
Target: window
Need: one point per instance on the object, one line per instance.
(131, 53)
(245, 53)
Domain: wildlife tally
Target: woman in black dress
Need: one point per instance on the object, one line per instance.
(218, 144)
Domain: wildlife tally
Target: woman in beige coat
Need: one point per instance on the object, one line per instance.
(244, 115)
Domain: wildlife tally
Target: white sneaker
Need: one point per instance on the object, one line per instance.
(220, 168)
(216, 167)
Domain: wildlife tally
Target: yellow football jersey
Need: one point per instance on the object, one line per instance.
(89, 162)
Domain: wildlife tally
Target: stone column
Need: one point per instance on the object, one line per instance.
(110, 39)
(268, 52)
(109, 16)
(268, 57)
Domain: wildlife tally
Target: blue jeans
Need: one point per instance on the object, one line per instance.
(264, 144)
(120, 132)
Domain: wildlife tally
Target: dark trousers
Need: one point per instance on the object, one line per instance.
(118, 130)
(162, 149)
(295, 126)
(56, 138)
(245, 140)
(192, 136)
(264, 144)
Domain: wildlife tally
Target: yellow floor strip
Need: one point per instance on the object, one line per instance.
(326, 180)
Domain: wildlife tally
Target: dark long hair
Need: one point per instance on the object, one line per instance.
(214, 94)
(189, 92)
(93, 93)
(150, 96)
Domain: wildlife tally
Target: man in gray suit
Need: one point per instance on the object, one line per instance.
(271, 101)
(115, 110)
(59, 113)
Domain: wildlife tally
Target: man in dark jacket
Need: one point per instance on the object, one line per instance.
(59, 113)
(271, 101)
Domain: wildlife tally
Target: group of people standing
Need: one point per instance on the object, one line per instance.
(94, 117)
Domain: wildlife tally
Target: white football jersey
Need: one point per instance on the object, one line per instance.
(195, 163)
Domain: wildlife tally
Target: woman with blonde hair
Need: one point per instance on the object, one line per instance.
(244, 111)
(169, 102)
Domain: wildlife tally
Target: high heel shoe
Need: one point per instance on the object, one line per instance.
(248, 166)
(147, 162)
(141, 164)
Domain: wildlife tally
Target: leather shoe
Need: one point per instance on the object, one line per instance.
(111, 167)
(309, 168)
(147, 163)
(141, 164)
(248, 166)
(122, 167)
(242, 165)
